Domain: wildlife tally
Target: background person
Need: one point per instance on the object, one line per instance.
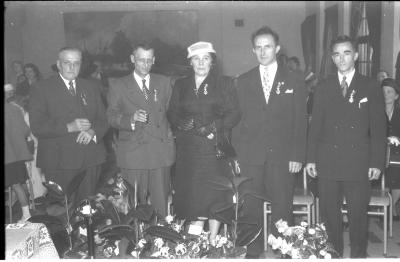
(16, 152)
(391, 93)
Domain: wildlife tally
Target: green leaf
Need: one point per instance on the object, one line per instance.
(238, 180)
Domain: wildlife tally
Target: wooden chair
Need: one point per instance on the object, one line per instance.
(303, 199)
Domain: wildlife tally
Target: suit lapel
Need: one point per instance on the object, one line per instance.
(256, 85)
(134, 93)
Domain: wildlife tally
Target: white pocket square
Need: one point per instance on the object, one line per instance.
(363, 100)
(289, 91)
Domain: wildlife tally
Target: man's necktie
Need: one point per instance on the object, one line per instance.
(71, 88)
(344, 86)
(145, 91)
(266, 85)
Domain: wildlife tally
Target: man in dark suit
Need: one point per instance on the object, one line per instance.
(346, 146)
(145, 146)
(68, 118)
(271, 135)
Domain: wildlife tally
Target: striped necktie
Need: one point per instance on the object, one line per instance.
(145, 90)
(71, 88)
(344, 86)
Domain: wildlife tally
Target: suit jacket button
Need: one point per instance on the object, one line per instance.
(335, 146)
(351, 127)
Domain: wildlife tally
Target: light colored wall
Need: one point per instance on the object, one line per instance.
(41, 32)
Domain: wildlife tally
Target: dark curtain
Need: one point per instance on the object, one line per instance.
(373, 40)
(309, 40)
(330, 32)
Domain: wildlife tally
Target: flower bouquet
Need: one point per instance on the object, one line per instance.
(302, 241)
(168, 239)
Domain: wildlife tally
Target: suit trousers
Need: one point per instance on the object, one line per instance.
(153, 185)
(357, 194)
(87, 187)
(277, 184)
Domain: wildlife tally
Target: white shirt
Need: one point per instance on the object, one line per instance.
(66, 82)
(349, 76)
(139, 80)
(267, 83)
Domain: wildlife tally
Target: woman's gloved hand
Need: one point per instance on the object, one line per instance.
(186, 124)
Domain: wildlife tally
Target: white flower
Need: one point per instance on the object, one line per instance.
(286, 247)
(180, 249)
(311, 231)
(305, 242)
(158, 242)
(164, 251)
(281, 226)
(328, 256)
(135, 253)
(303, 224)
(322, 252)
(142, 242)
(312, 257)
(295, 253)
(116, 250)
(169, 219)
(196, 248)
(87, 210)
(156, 254)
(322, 226)
(176, 227)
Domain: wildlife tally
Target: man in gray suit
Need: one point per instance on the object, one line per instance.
(145, 146)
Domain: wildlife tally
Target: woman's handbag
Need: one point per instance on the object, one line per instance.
(224, 148)
(394, 155)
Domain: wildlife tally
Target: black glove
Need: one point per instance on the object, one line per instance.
(206, 130)
(186, 124)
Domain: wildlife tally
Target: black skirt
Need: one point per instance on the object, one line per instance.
(15, 173)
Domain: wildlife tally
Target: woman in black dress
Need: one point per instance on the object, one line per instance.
(202, 108)
(391, 93)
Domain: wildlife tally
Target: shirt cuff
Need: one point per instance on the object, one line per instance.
(94, 139)
(133, 126)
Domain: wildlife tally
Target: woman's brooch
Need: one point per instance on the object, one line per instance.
(351, 99)
(205, 90)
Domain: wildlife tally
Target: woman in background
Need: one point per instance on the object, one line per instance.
(16, 152)
(391, 93)
(202, 107)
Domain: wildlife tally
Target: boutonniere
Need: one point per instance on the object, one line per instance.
(351, 99)
(83, 98)
(205, 90)
(364, 100)
(278, 88)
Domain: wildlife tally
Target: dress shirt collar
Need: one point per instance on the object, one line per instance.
(349, 76)
(66, 82)
(139, 80)
(271, 69)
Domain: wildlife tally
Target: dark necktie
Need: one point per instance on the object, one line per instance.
(145, 91)
(344, 86)
(71, 88)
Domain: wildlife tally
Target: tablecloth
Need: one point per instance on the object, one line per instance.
(29, 240)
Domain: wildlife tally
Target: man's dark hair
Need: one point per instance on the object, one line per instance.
(344, 39)
(265, 31)
(144, 46)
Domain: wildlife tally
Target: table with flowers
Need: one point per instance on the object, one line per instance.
(29, 240)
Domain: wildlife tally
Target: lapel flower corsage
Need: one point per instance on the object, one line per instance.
(205, 89)
(83, 98)
(278, 88)
(351, 99)
(155, 95)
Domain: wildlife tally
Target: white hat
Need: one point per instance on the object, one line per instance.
(200, 47)
(8, 87)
